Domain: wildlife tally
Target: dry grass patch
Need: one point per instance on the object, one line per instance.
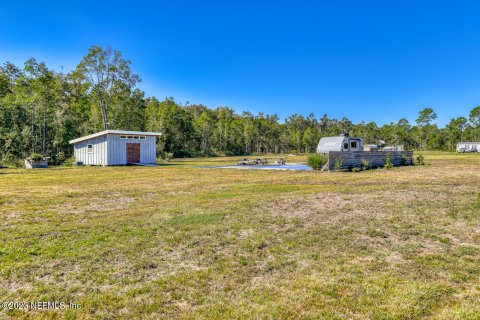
(180, 241)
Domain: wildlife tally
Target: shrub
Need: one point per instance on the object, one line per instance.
(365, 165)
(36, 157)
(420, 160)
(388, 162)
(317, 161)
(167, 156)
(355, 169)
(10, 161)
(60, 157)
(69, 162)
(338, 164)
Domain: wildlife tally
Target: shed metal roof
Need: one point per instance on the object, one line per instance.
(101, 133)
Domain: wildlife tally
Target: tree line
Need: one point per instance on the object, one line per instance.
(41, 110)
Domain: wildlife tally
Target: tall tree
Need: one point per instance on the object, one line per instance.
(104, 69)
(204, 125)
(176, 125)
(424, 121)
(455, 130)
(475, 120)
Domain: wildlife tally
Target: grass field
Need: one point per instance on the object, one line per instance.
(178, 241)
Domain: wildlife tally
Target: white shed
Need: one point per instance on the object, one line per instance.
(116, 147)
(339, 143)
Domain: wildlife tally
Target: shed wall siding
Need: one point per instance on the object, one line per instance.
(99, 156)
(117, 149)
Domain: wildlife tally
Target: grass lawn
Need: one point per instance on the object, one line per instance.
(178, 241)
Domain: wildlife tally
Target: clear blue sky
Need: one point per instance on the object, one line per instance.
(367, 60)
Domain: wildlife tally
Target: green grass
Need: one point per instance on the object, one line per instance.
(178, 241)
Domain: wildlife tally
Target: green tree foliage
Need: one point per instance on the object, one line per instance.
(204, 126)
(176, 125)
(107, 75)
(455, 131)
(475, 120)
(424, 122)
(41, 110)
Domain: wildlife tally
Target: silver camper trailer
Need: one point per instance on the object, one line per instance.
(340, 143)
(468, 147)
(346, 153)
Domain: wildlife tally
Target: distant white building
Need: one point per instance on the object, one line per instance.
(116, 147)
(467, 147)
(339, 143)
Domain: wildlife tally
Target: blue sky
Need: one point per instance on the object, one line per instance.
(366, 60)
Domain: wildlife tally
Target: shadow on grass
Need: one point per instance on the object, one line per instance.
(170, 164)
(8, 172)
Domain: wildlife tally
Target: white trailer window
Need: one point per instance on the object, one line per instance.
(89, 148)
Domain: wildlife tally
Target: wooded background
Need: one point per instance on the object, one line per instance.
(41, 110)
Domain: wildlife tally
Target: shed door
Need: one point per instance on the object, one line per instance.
(133, 152)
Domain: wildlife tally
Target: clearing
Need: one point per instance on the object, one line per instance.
(179, 241)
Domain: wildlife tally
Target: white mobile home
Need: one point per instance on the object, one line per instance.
(340, 143)
(467, 147)
(116, 147)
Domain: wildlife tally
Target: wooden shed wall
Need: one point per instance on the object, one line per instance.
(98, 156)
(117, 149)
(354, 159)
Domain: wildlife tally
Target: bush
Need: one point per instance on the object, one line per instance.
(356, 169)
(317, 161)
(36, 157)
(10, 161)
(365, 165)
(420, 160)
(388, 162)
(338, 164)
(167, 156)
(69, 162)
(60, 157)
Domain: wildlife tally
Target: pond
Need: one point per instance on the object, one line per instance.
(293, 166)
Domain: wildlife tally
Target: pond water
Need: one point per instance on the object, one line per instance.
(293, 166)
